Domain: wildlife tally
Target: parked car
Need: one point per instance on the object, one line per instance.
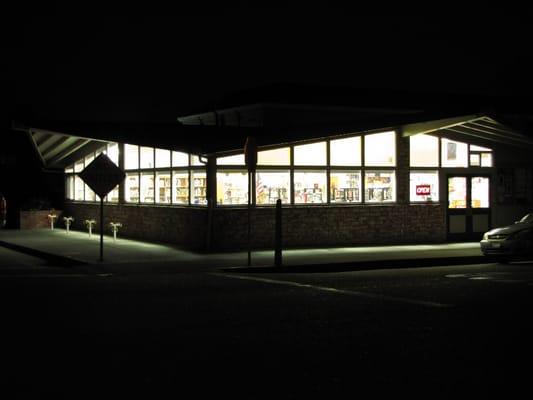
(510, 242)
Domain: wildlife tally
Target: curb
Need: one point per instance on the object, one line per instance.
(61, 261)
(363, 265)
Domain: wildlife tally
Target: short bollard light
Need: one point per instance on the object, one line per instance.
(68, 221)
(51, 217)
(90, 223)
(115, 226)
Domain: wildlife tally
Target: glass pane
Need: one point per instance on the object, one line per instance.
(271, 186)
(454, 154)
(89, 159)
(112, 152)
(78, 166)
(162, 186)
(89, 194)
(424, 186)
(232, 187)
(69, 187)
(198, 190)
(112, 196)
(457, 192)
(147, 157)
(310, 187)
(231, 160)
(475, 160)
(380, 149)
(424, 151)
(162, 158)
(180, 159)
(486, 159)
(79, 185)
(310, 154)
(131, 188)
(480, 192)
(69, 169)
(195, 160)
(380, 186)
(131, 156)
(478, 148)
(345, 187)
(274, 157)
(147, 187)
(181, 188)
(345, 151)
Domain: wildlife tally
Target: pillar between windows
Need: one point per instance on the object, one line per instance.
(211, 175)
(402, 168)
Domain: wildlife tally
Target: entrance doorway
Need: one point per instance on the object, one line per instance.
(468, 215)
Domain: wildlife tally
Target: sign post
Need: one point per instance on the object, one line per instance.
(250, 157)
(102, 176)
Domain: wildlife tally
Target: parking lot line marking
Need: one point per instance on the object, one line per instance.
(339, 291)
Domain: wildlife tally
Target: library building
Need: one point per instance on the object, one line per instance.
(419, 181)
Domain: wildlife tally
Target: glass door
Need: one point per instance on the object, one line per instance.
(468, 214)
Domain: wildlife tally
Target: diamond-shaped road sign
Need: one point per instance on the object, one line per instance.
(102, 175)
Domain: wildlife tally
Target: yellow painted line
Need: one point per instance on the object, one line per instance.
(339, 291)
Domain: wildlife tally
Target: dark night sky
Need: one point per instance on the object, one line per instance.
(158, 67)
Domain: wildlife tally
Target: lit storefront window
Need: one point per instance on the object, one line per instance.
(480, 192)
(113, 195)
(309, 187)
(80, 192)
(89, 194)
(112, 152)
(162, 158)
(486, 159)
(163, 187)
(78, 166)
(195, 161)
(475, 160)
(457, 192)
(345, 186)
(424, 151)
(131, 189)
(232, 187)
(380, 149)
(180, 159)
(274, 157)
(89, 159)
(424, 186)
(181, 188)
(199, 187)
(454, 154)
(147, 187)
(148, 177)
(231, 160)
(271, 186)
(310, 154)
(131, 156)
(69, 187)
(345, 152)
(147, 157)
(380, 186)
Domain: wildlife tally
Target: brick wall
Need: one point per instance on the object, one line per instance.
(38, 219)
(332, 226)
(178, 225)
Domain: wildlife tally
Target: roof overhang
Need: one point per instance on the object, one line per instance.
(476, 128)
(57, 149)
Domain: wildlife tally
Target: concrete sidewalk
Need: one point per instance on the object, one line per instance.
(126, 255)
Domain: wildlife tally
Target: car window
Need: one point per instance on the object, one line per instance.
(528, 218)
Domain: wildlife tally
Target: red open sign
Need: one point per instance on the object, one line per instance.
(423, 190)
